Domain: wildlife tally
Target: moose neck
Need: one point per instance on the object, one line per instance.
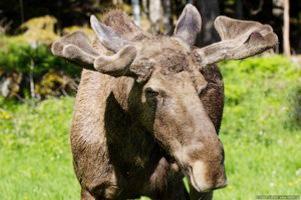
(130, 145)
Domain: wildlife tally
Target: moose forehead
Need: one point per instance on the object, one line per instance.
(166, 53)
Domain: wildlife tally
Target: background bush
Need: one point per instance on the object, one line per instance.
(35, 63)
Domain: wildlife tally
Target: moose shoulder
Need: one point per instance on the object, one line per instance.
(148, 108)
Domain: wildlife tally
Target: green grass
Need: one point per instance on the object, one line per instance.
(261, 128)
(35, 155)
(261, 132)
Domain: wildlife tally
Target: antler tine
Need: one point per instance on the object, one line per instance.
(76, 48)
(118, 64)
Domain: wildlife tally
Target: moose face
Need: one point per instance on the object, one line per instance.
(173, 112)
(184, 130)
(167, 69)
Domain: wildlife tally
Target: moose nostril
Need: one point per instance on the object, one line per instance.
(221, 184)
(150, 92)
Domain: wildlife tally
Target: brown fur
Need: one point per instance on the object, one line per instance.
(123, 25)
(115, 154)
(156, 117)
(95, 167)
(153, 113)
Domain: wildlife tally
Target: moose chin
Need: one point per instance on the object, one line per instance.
(149, 108)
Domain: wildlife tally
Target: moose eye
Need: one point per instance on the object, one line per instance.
(151, 93)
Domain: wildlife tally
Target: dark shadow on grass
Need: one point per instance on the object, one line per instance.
(294, 114)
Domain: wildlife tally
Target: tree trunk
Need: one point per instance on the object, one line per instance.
(209, 11)
(136, 11)
(21, 11)
(286, 31)
(116, 2)
(167, 16)
(145, 6)
(239, 9)
(155, 15)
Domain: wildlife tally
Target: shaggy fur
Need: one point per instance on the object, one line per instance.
(153, 113)
(115, 156)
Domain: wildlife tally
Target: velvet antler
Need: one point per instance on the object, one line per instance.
(240, 39)
(76, 48)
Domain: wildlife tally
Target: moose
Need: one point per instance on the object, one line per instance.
(149, 107)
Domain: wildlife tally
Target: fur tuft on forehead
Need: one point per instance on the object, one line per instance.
(123, 25)
(172, 61)
(165, 52)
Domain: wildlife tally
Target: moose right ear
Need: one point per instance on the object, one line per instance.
(188, 25)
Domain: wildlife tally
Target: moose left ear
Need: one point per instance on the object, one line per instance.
(188, 25)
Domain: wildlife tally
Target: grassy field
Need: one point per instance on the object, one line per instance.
(261, 132)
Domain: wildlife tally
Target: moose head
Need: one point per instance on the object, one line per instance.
(167, 74)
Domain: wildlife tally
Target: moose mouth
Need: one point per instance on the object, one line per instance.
(197, 180)
(196, 174)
